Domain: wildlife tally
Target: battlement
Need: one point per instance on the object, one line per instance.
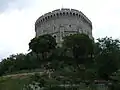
(63, 12)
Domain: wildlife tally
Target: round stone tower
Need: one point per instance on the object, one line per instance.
(63, 22)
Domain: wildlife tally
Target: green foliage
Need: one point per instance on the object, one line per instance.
(107, 57)
(59, 81)
(19, 62)
(79, 60)
(42, 44)
(81, 46)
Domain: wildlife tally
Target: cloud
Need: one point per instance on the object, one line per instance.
(4, 4)
(16, 30)
(17, 18)
(15, 4)
(104, 14)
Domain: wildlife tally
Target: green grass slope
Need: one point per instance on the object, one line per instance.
(13, 83)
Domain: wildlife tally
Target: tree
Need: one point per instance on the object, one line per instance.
(42, 45)
(107, 57)
(115, 82)
(81, 46)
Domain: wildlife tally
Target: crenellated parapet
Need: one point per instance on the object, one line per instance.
(63, 22)
(61, 13)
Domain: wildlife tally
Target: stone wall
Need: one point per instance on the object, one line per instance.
(63, 22)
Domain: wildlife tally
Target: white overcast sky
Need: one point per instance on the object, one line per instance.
(17, 18)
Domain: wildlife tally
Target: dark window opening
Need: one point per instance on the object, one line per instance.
(48, 17)
(70, 34)
(60, 13)
(57, 14)
(54, 36)
(69, 25)
(74, 14)
(51, 16)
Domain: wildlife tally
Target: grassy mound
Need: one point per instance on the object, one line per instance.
(13, 83)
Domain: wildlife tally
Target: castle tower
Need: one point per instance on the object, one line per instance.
(63, 22)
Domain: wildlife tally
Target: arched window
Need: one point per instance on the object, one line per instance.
(76, 14)
(67, 13)
(57, 14)
(73, 14)
(54, 36)
(51, 16)
(60, 13)
(69, 25)
(71, 34)
(45, 18)
(48, 17)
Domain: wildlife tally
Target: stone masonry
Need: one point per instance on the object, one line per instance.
(63, 22)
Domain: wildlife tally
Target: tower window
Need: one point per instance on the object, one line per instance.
(57, 14)
(51, 16)
(71, 34)
(48, 17)
(55, 36)
(69, 25)
(60, 13)
(74, 14)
